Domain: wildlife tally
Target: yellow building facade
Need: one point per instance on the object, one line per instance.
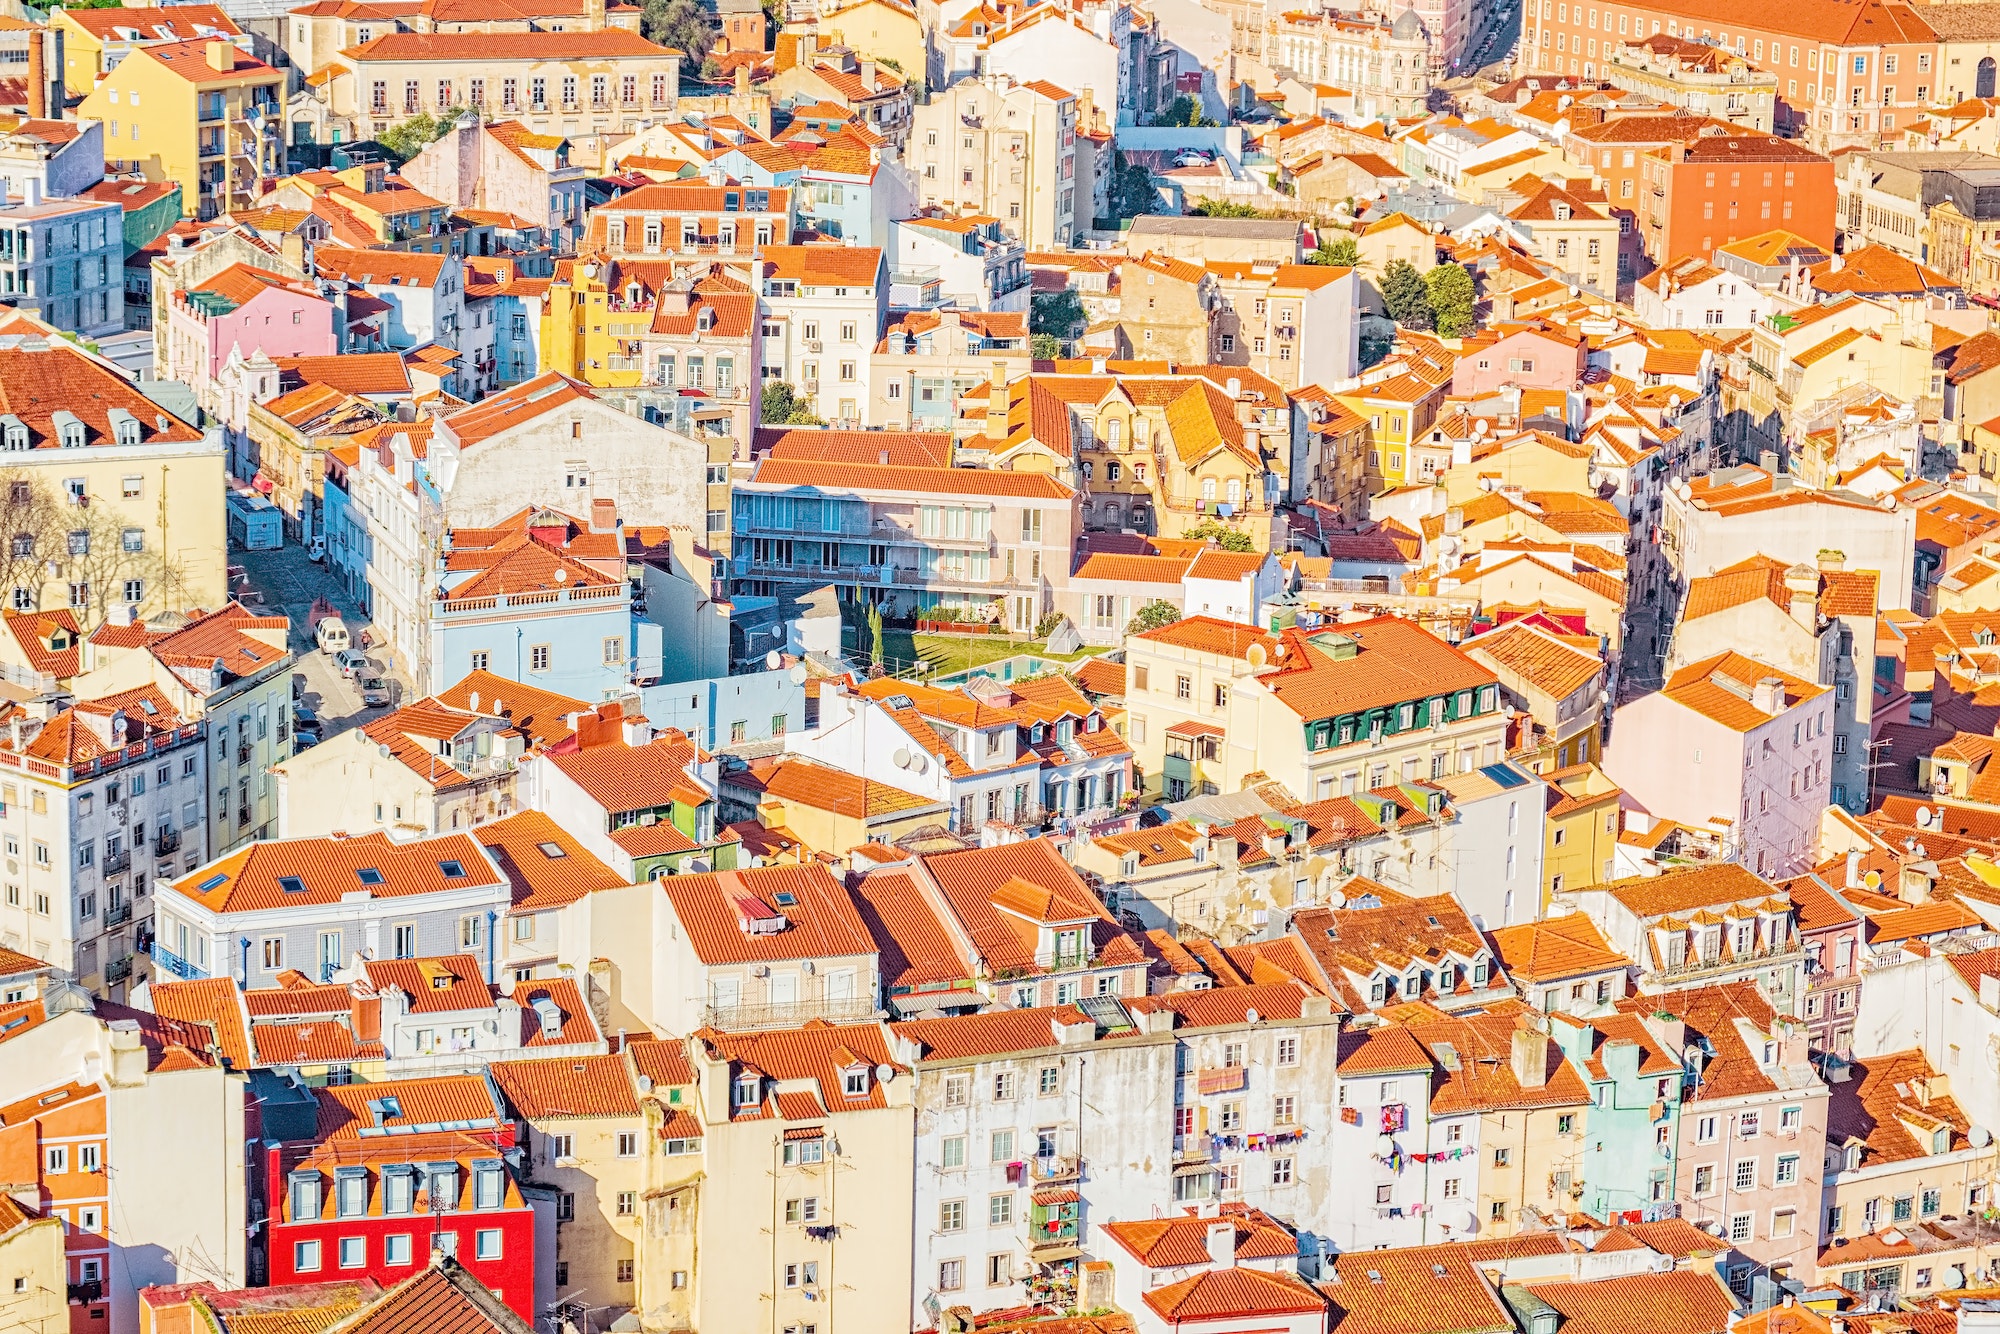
(200, 113)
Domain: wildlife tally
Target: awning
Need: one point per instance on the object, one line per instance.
(1054, 1197)
(806, 1132)
(1193, 1169)
(1055, 1254)
(924, 1002)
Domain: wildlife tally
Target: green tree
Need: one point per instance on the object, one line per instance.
(1341, 251)
(782, 406)
(1152, 616)
(1183, 110)
(1045, 347)
(711, 69)
(1132, 192)
(1057, 314)
(682, 24)
(410, 137)
(875, 633)
(1403, 294)
(1225, 208)
(1448, 288)
(1225, 537)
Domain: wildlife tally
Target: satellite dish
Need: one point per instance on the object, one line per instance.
(1251, 1016)
(1872, 879)
(773, 660)
(923, 764)
(1923, 817)
(901, 758)
(1336, 899)
(885, 1072)
(798, 673)
(777, 632)
(1385, 1144)
(1952, 1278)
(383, 751)
(1979, 1137)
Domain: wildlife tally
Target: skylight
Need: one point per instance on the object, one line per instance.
(453, 870)
(369, 875)
(786, 899)
(552, 850)
(211, 883)
(291, 884)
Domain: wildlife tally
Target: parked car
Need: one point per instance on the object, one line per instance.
(316, 550)
(305, 718)
(304, 741)
(374, 692)
(351, 663)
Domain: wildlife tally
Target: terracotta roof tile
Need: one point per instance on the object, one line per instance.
(767, 913)
(562, 1087)
(326, 869)
(543, 862)
(917, 948)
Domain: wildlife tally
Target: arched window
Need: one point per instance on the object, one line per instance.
(1983, 82)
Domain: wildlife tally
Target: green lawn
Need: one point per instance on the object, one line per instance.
(957, 653)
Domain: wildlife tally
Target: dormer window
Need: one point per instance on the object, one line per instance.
(1479, 972)
(1941, 1140)
(1770, 1053)
(1130, 866)
(854, 1081)
(1378, 991)
(13, 432)
(744, 1093)
(1444, 978)
(1413, 985)
(1036, 733)
(124, 426)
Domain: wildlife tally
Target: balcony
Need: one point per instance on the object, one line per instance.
(166, 841)
(118, 970)
(117, 863)
(1194, 1149)
(117, 915)
(244, 752)
(1054, 1168)
(168, 961)
(787, 1014)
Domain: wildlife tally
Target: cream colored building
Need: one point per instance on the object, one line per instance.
(314, 35)
(1004, 149)
(586, 1142)
(670, 1281)
(444, 769)
(1312, 711)
(33, 1271)
(814, 1228)
(131, 499)
(572, 84)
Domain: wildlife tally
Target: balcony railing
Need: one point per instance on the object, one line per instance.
(782, 1014)
(1055, 1168)
(116, 863)
(117, 915)
(166, 841)
(118, 970)
(1194, 1149)
(173, 963)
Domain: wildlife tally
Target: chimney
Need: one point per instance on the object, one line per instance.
(743, 79)
(867, 72)
(593, 15)
(1917, 880)
(1222, 1243)
(31, 190)
(1853, 870)
(128, 1054)
(1530, 1056)
(1832, 562)
(603, 514)
(38, 79)
(1802, 591)
(221, 56)
(1768, 695)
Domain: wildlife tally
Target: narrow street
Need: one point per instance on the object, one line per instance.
(289, 583)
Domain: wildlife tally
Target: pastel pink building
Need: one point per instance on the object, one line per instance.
(246, 309)
(1734, 747)
(1519, 355)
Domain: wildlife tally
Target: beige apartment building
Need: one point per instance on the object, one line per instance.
(557, 83)
(315, 34)
(1005, 149)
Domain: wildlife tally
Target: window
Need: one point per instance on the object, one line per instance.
(486, 1244)
(1284, 1110)
(802, 1211)
(305, 1256)
(353, 1252)
(1003, 1086)
(1000, 1210)
(1739, 1227)
(1288, 1051)
(951, 1275)
(538, 658)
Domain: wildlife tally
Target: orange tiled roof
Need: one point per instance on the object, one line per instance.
(565, 1087)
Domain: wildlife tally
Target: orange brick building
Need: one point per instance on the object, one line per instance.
(1721, 188)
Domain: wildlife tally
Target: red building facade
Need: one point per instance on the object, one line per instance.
(370, 1195)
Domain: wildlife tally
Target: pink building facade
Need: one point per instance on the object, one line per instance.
(1519, 356)
(247, 310)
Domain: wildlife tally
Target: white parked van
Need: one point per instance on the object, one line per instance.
(331, 635)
